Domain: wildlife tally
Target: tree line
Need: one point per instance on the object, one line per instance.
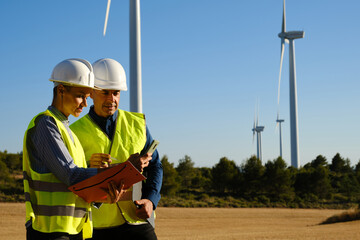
(318, 183)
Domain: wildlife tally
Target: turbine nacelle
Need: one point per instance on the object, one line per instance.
(292, 35)
(259, 128)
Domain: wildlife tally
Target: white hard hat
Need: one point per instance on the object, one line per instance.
(109, 74)
(73, 72)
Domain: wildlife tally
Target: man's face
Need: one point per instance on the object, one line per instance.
(106, 102)
(74, 100)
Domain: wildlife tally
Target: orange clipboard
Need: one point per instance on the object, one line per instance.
(91, 189)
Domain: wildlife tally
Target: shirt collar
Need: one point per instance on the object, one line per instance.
(97, 118)
(59, 115)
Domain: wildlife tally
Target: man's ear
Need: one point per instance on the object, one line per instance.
(92, 94)
(60, 89)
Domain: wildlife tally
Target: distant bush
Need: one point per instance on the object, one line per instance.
(4, 172)
(347, 216)
(12, 191)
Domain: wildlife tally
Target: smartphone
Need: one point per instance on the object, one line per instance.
(152, 147)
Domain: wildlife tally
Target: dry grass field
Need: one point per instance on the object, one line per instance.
(219, 223)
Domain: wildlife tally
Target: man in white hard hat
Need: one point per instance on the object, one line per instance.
(53, 159)
(120, 133)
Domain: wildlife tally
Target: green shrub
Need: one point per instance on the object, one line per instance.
(4, 172)
(347, 216)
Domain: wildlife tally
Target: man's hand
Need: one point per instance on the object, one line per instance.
(114, 192)
(144, 208)
(140, 162)
(100, 160)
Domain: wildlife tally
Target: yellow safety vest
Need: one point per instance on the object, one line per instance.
(129, 138)
(49, 204)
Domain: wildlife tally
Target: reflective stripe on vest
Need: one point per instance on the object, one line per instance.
(129, 138)
(49, 204)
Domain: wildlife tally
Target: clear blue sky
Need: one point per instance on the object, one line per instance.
(204, 64)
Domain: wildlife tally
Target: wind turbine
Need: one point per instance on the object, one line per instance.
(278, 123)
(135, 54)
(257, 130)
(135, 74)
(289, 37)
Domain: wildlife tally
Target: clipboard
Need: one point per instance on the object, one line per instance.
(91, 189)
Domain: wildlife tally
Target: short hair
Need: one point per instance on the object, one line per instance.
(55, 90)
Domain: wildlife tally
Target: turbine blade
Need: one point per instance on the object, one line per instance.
(107, 16)
(254, 126)
(281, 62)
(283, 27)
(255, 118)
(257, 114)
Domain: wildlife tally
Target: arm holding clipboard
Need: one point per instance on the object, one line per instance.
(92, 189)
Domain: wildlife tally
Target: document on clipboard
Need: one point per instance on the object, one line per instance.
(91, 189)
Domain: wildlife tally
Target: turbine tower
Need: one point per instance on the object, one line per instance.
(135, 58)
(278, 123)
(289, 37)
(135, 74)
(257, 130)
(135, 54)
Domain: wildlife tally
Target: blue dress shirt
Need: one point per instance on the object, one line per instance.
(48, 153)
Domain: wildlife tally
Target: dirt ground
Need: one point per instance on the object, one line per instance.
(218, 223)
